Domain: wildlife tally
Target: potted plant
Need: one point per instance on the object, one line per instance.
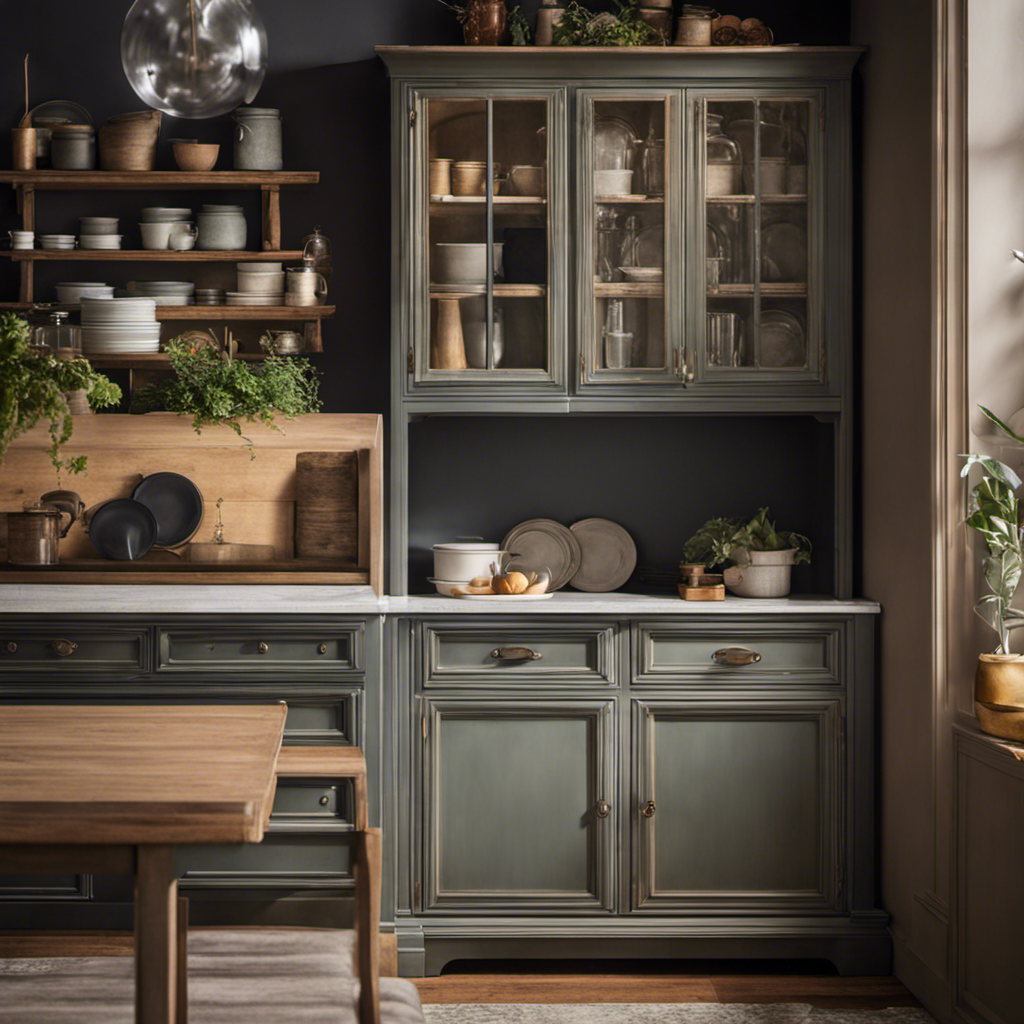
(33, 387)
(213, 388)
(762, 557)
(580, 27)
(994, 511)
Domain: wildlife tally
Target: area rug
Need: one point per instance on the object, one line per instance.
(664, 1013)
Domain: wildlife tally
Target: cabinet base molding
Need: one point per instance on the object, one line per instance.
(856, 947)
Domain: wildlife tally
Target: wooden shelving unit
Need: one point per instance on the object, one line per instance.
(269, 183)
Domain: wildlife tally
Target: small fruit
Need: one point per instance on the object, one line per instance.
(516, 582)
(500, 585)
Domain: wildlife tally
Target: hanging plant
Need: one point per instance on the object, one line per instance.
(32, 388)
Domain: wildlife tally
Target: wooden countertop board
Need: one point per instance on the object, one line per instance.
(195, 774)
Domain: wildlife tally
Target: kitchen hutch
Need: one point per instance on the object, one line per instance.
(659, 233)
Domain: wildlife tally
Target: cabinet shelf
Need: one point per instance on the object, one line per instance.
(629, 290)
(630, 200)
(501, 291)
(745, 200)
(116, 180)
(781, 289)
(454, 202)
(155, 255)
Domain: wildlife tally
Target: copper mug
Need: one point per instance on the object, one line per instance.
(34, 534)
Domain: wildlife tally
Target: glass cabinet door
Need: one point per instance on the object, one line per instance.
(760, 291)
(628, 237)
(486, 181)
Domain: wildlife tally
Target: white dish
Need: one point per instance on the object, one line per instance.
(162, 287)
(445, 587)
(100, 242)
(260, 268)
(161, 214)
(643, 274)
(175, 300)
(261, 284)
(98, 225)
(613, 183)
(504, 597)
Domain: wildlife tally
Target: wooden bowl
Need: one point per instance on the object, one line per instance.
(196, 156)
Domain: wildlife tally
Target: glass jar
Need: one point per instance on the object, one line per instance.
(58, 338)
(724, 171)
(654, 165)
(773, 150)
(316, 251)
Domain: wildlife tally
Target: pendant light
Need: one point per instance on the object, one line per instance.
(194, 58)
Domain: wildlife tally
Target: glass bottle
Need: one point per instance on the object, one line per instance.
(654, 165)
(724, 157)
(608, 247)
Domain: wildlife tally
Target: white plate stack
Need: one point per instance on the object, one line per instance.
(259, 284)
(69, 293)
(166, 293)
(99, 233)
(119, 326)
(56, 241)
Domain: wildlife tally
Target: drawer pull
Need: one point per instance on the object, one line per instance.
(648, 809)
(262, 647)
(321, 649)
(515, 654)
(324, 800)
(603, 809)
(736, 656)
(63, 648)
(11, 647)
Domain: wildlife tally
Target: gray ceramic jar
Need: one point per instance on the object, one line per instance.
(223, 228)
(73, 148)
(258, 139)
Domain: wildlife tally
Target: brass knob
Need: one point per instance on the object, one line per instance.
(648, 809)
(11, 646)
(736, 656)
(322, 649)
(603, 808)
(262, 647)
(324, 800)
(516, 654)
(63, 648)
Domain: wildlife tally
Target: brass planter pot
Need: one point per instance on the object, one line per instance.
(999, 695)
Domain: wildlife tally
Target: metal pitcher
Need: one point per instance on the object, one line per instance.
(33, 535)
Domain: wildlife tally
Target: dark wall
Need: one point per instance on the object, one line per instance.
(333, 94)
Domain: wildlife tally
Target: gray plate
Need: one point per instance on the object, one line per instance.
(543, 543)
(609, 555)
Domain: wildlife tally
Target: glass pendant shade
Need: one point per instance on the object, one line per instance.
(194, 58)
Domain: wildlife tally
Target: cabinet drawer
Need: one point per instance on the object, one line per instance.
(75, 649)
(312, 801)
(279, 862)
(533, 655)
(677, 652)
(253, 650)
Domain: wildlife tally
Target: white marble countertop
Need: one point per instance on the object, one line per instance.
(293, 599)
(570, 602)
(160, 598)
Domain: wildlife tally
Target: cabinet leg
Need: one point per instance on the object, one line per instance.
(156, 935)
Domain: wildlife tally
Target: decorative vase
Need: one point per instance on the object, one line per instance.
(765, 574)
(485, 23)
(999, 695)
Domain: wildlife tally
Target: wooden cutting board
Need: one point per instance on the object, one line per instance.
(208, 551)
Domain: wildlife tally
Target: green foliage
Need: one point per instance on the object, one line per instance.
(519, 27)
(32, 389)
(214, 389)
(580, 27)
(995, 513)
(720, 540)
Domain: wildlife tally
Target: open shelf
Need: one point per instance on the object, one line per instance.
(746, 200)
(150, 360)
(156, 255)
(791, 289)
(297, 313)
(629, 289)
(112, 180)
(501, 291)
(631, 200)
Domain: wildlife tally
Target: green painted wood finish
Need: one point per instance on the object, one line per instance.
(745, 805)
(302, 800)
(256, 651)
(512, 812)
(25, 651)
(668, 653)
(460, 655)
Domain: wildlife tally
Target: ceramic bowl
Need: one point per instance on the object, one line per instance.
(463, 262)
(261, 284)
(612, 183)
(98, 225)
(196, 156)
(464, 561)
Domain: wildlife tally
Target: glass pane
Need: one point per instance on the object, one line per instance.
(474, 322)
(629, 233)
(729, 275)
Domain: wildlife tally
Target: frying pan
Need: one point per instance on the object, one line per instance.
(176, 504)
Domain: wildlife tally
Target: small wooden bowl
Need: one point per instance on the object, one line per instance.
(196, 156)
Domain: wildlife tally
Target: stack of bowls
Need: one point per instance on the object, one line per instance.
(56, 241)
(210, 296)
(166, 293)
(99, 233)
(69, 293)
(157, 222)
(259, 284)
(119, 326)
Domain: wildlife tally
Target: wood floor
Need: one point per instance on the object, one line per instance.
(626, 981)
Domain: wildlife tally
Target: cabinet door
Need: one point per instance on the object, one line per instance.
(486, 274)
(758, 272)
(737, 806)
(629, 243)
(518, 810)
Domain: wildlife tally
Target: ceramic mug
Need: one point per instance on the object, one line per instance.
(527, 181)
(182, 236)
(305, 283)
(22, 239)
(156, 236)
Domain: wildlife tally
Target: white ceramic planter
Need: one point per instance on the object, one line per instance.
(766, 574)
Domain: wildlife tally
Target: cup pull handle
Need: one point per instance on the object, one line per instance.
(515, 654)
(736, 656)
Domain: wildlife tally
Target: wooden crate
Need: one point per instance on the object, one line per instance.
(258, 493)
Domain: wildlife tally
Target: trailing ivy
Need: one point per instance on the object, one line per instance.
(32, 388)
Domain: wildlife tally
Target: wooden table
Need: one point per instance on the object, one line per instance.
(112, 790)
